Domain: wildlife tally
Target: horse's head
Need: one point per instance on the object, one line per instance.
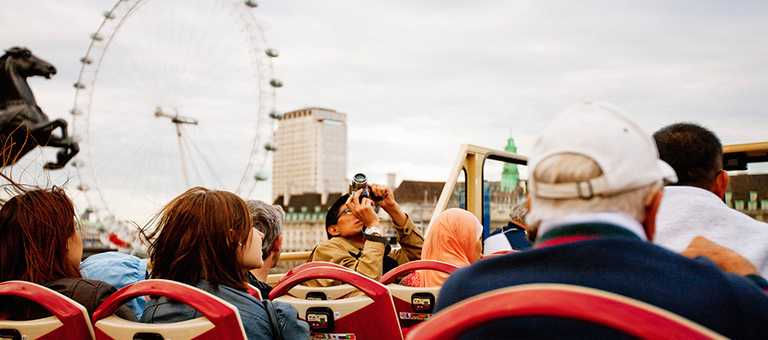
(27, 64)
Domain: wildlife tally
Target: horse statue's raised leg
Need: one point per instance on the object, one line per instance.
(69, 148)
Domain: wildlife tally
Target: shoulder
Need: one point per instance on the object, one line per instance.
(466, 282)
(325, 249)
(89, 293)
(80, 287)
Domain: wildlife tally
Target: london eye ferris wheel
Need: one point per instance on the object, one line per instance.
(173, 94)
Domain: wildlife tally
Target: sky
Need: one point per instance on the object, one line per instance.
(416, 78)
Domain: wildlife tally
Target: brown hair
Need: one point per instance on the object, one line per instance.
(34, 229)
(198, 237)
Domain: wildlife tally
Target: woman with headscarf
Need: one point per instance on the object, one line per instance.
(455, 237)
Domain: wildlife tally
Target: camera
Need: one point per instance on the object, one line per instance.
(360, 181)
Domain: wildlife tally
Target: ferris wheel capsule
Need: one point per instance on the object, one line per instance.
(76, 112)
(86, 60)
(97, 37)
(272, 53)
(77, 163)
(78, 85)
(251, 3)
(83, 187)
(270, 147)
(109, 15)
(260, 178)
(276, 83)
(275, 115)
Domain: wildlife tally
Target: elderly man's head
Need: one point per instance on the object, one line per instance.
(269, 220)
(592, 159)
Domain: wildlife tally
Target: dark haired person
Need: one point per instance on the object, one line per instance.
(355, 238)
(205, 238)
(39, 243)
(268, 219)
(694, 205)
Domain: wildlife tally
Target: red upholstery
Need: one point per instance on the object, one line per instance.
(631, 316)
(412, 266)
(72, 317)
(312, 264)
(409, 299)
(222, 318)
(367, 317)
(255, 292)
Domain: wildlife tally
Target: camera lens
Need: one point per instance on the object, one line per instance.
(360, 178)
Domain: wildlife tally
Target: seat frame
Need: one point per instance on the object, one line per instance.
(220, 320)
(624, 314)
(69, 319)
(376, 298)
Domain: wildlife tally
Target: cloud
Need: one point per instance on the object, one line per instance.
(416, 78)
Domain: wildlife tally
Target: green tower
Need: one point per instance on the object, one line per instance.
(510, 175)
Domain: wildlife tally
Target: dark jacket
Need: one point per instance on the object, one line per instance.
(252, 313)
(89, 293)
(263, 288)
(697, 290)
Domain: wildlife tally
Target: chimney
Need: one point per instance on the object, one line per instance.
(391, 180)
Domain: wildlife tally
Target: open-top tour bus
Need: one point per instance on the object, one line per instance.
(484, 181)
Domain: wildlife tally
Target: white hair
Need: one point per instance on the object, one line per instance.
(568, 168)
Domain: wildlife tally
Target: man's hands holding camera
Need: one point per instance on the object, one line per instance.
(389, 204)
(363, 209)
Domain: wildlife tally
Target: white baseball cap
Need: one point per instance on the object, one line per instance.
(626, 154)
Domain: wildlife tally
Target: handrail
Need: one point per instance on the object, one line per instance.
(295, 256)
(471, 159)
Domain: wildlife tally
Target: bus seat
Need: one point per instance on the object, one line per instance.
(255, 292)
(69, 320)
(368, 316)
(624, 314)
(220, 319)
(327, 293)
(414, 304)
(312, 264)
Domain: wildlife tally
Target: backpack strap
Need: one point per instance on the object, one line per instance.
(273, 322)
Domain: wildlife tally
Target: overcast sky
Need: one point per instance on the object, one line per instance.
(417, 78)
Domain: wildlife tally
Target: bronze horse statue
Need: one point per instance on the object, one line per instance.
(23, 125)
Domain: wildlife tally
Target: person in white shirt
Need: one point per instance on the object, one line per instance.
(694, 205)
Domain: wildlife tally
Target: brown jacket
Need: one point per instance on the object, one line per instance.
(368, 260)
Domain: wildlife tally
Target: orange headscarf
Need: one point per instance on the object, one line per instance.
(451, 238)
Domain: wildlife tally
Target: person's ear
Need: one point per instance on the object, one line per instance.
(652, 203)
(720, 186)
(277, 246)
(333, 231)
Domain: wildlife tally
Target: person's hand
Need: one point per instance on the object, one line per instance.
(389, 204)
(725, 259)
(386, 194)
(363, 210)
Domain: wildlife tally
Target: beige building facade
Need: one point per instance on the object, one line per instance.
(311, 154)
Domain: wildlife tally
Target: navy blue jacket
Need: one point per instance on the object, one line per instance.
(624, 264)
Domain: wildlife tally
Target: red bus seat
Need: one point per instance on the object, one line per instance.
(312, 264)
(328, 293)
(371, 316)
(624, 314)
(255, 292)
(69, 320)
(414, 304)
(220, 319)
